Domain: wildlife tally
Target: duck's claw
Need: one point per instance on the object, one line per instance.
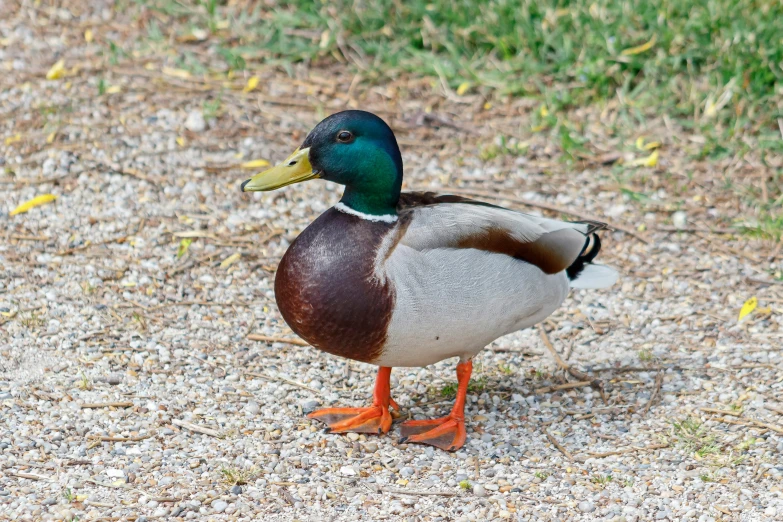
(447, 433)
(375, 419)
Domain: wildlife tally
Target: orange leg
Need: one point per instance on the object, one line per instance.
(446, 433)
(375, 419)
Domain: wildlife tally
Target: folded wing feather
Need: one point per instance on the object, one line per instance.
(454, 222)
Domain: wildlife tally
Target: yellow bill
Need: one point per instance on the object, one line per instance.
(295, 169)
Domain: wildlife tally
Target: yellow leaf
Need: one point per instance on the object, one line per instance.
(88, 36)
(324, 43)
(177, 73)
(114, 89)
(183, 247)
(38, 200)
(748, 307)
(640, 48)
(50, 137)
(252, 83)
(254, 164)
(543, 111)
(128, 284)
(463, 88)
(649, 161)
(13, 139)
(57, 70)
(640, 143)
(181, 141)
(81, 498)
(710, 108)
(233, 258)
(487, 106)
(402, 482)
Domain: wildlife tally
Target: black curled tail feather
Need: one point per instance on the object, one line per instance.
(589, 252)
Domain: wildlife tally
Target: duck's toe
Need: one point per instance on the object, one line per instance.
(447, 433)
(375, 419)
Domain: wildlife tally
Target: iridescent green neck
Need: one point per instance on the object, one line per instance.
(376, 202)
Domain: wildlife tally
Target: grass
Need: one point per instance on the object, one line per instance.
(601, 480)
(475, 386)
(694, 438)
(232, 476)
(704, 61)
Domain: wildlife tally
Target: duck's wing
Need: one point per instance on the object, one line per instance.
(446, 221)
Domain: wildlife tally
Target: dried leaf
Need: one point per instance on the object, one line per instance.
(254, 164)
(252, 83)
(649, 161)
(193, 233)
(641, 145)
(184, 244)
(463, 88)
(177, 73)
(230, 260)
(640, 48)
(748, 307)
(57, 70)
(36, 201)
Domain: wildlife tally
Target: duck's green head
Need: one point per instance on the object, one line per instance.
(353, 148)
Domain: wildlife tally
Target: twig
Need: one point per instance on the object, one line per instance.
(779, 411)
(109, 438)
(31, 476)
(744, 421)
(281, 379)
(566, 386)
(722, 412)
(694, 230)
(419, 492)
(559, 446)
(107, 405)
(596, 384)
(552, 208)
(655, 393)
(198, 429)
(271, 339)
(764, 281)
(632, 449)
(88, 244)
(286, 495)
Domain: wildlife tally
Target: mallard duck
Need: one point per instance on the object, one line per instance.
(410, 279)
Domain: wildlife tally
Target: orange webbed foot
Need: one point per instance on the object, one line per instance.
(375, 419)
(447, 433)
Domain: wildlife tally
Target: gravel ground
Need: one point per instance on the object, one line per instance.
(136, 384)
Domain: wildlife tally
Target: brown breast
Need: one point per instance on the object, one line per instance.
(325, 287)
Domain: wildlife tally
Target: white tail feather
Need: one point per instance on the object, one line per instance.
(595, 276)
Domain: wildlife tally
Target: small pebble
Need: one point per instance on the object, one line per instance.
(219, 505)
(195, 121)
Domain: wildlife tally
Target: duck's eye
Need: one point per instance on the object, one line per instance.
(344, 137)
